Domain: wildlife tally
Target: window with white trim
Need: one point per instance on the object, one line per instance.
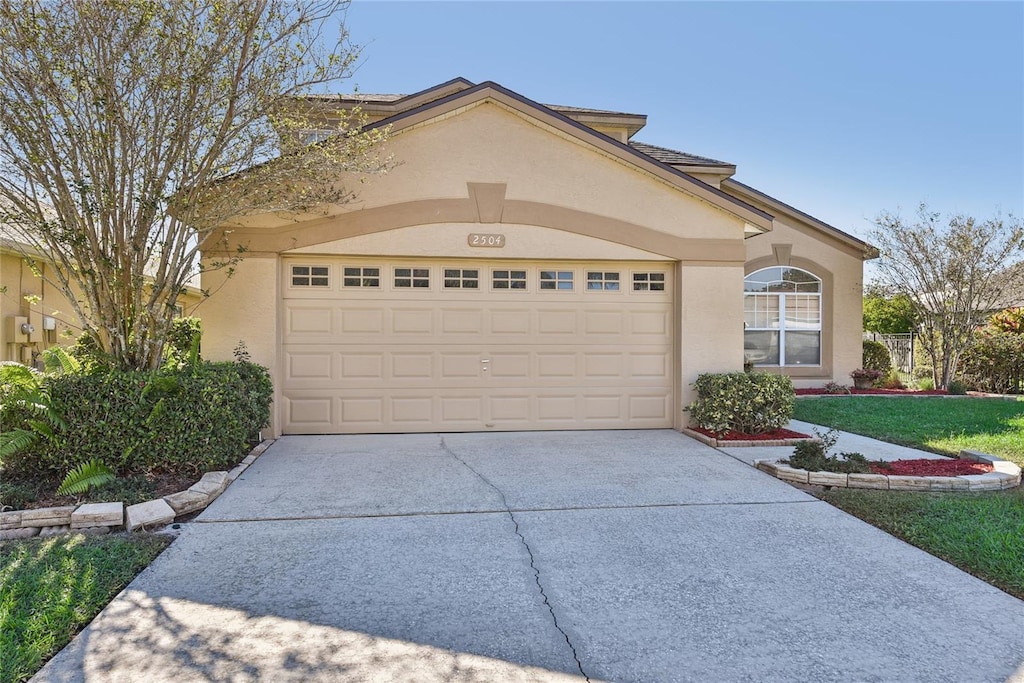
(361, 276)
(412, 277)
(311, 276)
(508, 279)
(782, 317)
(461, 278)
(602, 281)
(556, 279)
(648, 282)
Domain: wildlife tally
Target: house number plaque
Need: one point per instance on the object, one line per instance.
(477, 239)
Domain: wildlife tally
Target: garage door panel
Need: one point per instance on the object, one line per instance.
(412, 321)
(374, 360)
(411, 366)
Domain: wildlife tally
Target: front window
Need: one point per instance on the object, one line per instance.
(782, 317)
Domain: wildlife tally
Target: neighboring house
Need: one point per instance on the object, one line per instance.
(529, 266)
(34, 313)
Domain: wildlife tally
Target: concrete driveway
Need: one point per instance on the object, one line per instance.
(619, 556)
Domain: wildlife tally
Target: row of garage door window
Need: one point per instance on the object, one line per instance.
(469, 278)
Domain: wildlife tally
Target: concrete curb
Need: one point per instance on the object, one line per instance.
(715, 443)
(102, 518)
(1004, 475)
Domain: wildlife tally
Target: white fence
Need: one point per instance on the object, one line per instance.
(901, 349)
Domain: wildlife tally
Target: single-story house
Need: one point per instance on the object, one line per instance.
(529, 267)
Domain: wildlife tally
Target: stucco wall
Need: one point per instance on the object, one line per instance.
(842, 272)
(18, 281)
(710, 323)
(243, 308)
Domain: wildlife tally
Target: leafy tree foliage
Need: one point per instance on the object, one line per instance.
(131, 129)
(952, 270)
(887, 313)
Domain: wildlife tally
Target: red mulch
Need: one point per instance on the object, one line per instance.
(741, 436)
(898, 392)
(926, 467)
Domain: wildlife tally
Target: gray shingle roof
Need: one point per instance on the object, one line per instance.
(674, 157)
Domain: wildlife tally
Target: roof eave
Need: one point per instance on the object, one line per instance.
(868, 251)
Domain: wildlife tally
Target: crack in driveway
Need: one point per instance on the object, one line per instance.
(529, 551)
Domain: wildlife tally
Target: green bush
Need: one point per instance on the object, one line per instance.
(876, 357)
(749, 402)
(813, 456)
(994, 362)
(184, 420)
(182, 338)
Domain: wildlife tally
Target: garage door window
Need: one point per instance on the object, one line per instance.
(602, 281)
(461, 278)
(508, 279)
(782, 317)
(310, 276)
(648, 282)
(361, 277)
(412, 277)
(556, 279)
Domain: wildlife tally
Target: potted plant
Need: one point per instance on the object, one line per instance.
(863, 378)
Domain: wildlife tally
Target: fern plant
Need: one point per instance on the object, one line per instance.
(23, 387)
(84, 477)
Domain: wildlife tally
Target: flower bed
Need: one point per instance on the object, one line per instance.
(931, 467)
(732, 439)
(818, 391)
(1001, 475)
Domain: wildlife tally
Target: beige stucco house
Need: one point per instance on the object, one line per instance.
(529, 267)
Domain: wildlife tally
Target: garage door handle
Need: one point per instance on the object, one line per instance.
(484, 362)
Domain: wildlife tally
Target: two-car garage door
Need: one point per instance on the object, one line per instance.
(424, 346)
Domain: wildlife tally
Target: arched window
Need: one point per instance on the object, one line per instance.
(782, 317)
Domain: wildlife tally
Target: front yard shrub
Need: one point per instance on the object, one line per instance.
(748, 402)
(186, 420)
(994, 362)
(876, 357)
(813, 456)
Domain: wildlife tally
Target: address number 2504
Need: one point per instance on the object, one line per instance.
(477, 239)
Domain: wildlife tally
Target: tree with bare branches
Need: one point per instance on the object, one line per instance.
(953, 271)
(131, 129)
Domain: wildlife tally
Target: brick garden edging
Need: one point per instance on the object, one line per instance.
(715, 443)
(102, 518)
(1004, 475)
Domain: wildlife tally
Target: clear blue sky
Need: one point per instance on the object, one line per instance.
(840, 109)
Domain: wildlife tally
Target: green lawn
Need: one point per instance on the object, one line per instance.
(982, 533)
(51, 588)
(992, 426)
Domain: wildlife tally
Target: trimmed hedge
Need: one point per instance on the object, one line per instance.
(186, 420)
(876, 357)
(749, 402)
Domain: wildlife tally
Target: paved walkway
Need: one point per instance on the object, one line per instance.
(872, 449)
(618, 556)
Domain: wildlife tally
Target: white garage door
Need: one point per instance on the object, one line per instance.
(429, 346)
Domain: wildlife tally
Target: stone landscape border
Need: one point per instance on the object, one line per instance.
(721, 443)
(1004, 475)
(102, 518)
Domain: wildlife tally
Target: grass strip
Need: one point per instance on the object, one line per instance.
(981, 533)
(51, 588)
(947, 426)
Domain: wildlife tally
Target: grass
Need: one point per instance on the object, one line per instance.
(981, 533)
(51, 588)
(945, 426)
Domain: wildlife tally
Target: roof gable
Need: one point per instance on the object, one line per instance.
(757, 220)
